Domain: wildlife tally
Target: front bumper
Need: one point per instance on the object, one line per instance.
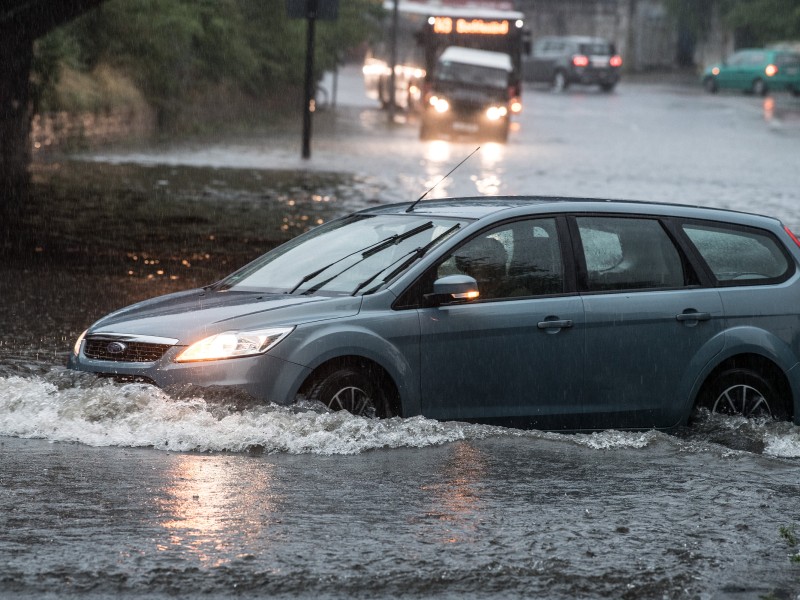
(264, 377)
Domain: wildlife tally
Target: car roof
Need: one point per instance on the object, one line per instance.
(482, 58)
(480, 207)
(467, 11)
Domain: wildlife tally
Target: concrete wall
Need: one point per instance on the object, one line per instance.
(52, 130)
(642, 30)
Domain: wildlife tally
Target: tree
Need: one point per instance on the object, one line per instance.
(755, 22)
(21, 22)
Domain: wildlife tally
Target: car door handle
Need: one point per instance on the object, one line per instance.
(693, 315)
(555, 324)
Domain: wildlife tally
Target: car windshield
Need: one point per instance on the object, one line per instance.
(472, 74)
(355, 254)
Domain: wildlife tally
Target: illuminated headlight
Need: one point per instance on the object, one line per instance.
(493, 113)
(233, 344)
(715, 71)
(440, 105)
(77, 348)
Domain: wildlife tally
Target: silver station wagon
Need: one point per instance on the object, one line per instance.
(549, 313)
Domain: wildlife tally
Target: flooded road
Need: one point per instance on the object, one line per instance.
(111, 490)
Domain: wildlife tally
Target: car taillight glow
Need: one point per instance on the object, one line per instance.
(615, 61)
(791, 235)
(580, 60)
(771, 70)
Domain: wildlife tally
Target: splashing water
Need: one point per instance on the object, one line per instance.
(65, 406)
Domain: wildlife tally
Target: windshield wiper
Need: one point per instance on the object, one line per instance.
(408, 259)
(365, 254)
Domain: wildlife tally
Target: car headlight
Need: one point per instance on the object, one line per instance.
(233, 344)
(493, 113)
(77, 348)
(440, 105)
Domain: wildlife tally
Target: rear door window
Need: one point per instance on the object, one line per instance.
(740, 255)
(623, 253)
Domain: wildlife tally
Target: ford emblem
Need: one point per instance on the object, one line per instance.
(116, 348)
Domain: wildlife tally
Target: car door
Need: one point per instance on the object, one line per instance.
(650, 326)
(514, 356)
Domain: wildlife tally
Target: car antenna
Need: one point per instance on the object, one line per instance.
(433, 187)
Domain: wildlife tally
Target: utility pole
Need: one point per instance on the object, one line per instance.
(392, 76)
(311, 18)
(310, 10)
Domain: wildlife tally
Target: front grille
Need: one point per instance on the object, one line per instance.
(137, 352)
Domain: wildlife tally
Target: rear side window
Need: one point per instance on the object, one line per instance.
(628, 253)
(740, 256)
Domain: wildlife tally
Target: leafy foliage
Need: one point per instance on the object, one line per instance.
(764, 21)
(173, 49)
(756, 22)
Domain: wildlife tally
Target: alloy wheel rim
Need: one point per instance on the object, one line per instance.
(742, 400)
(352, 399)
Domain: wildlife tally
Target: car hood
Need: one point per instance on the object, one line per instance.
(194, 314)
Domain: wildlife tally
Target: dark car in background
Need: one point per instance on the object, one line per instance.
(562, 61)
(756, 70)
(552, 313)
(470, 92)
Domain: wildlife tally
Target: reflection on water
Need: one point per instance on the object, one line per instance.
(440, 157)
(769, 108)
(437, 164)
(492, 156)
(206, 502)
(456, 504)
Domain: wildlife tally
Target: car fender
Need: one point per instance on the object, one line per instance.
(753, 340)
(314, 346)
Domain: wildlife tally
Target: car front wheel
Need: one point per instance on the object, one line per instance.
(742, 392)
(710, 85)
(348, 388)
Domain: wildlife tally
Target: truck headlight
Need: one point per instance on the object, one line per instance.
(494, 113)
(233, 344)
(440, 105)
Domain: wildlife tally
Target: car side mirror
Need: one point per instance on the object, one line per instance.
(453, 289)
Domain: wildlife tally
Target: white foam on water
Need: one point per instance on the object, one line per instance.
(136, 415)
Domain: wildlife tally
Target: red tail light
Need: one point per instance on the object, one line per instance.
(579, 60)
(616, 61)
(791, 235)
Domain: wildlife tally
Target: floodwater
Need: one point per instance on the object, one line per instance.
(112, 490)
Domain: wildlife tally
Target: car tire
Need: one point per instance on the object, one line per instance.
(607, 87)
(354, 389)
(759, 87)
(710, 85)
(743, 392)
(560, 81)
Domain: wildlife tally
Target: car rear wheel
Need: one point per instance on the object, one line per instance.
(759, 87)
(746, 393)
(710, 85)
(607, 87)
(354, 389)
(560, 81)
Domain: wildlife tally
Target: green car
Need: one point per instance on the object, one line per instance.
(756, 70)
